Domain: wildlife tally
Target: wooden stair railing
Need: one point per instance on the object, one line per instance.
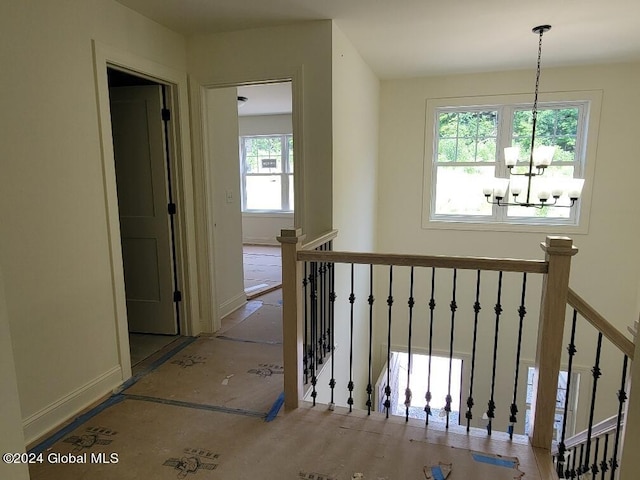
(601, 324)
(555, 269)
(596, 450)
(604, 427)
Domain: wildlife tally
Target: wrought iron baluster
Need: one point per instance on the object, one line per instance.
(305, 357)
(330, 324)
(371, 301)
(432, 306)
(622, 397)
(491, 404)
(580, 470)
(322, 339)
(314, 329)
(332, 339)
(596, 372)
(594, 465)
(476, 310)
(453, 306)
(332, 310)
(352, 299)
(327, 308)
(387, 389)
(522, 311)
(407, 392)
(573, 472)
(604, 466)
(571, 349)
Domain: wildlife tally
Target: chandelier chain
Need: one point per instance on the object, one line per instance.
(535, 98)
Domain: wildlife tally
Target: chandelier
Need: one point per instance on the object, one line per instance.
(539, 159)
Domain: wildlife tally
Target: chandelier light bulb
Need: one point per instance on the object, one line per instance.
(543, 155)
(574, 189)
(511, 155)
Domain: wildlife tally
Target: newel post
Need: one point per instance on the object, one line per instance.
(630, 460)
(555, 286)
(293, 343)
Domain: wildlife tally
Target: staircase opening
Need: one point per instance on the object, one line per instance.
(416, 373)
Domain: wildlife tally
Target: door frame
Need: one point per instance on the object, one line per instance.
(176, 81)
(203, 172)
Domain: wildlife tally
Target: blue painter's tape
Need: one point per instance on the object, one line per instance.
(114, 399)
(48, 443)
(437, 474)
(491, 460)
(277, 405)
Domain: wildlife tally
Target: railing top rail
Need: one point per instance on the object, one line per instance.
(625, 345)
(438, 261)
(606, 426)
(320, 240)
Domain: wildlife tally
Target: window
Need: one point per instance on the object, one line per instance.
(468, 151)
(266, 166)
(563, 380)
(419, 381)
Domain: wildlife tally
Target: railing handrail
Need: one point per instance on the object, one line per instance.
(320, 240)
(606, 426)
(589, 313)
(437, 261)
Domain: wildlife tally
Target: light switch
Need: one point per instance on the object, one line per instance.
(229, 196)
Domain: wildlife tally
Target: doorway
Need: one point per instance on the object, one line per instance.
(266, 164)
(140, 117)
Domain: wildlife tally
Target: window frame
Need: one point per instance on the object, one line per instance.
(589, 103)
(286, 174)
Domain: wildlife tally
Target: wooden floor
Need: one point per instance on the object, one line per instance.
(262, 266)
(208, 409)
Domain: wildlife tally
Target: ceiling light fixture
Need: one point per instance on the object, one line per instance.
(539, 159)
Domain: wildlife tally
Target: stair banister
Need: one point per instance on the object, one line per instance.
(555, 287)
(630, 464)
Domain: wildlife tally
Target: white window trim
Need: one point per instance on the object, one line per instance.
(436, 352)
(284, 174)
(594, 99)
(581, 393)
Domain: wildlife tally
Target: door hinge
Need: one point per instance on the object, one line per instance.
(166, 114)
(177, 296)
(172, 208)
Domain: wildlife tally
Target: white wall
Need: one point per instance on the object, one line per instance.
(12, 438)
(356, 93)
(301, 51)
(265, 124)
(263, 228)
(613, 222)
(53, 225)
(222, 128)
(605, 271)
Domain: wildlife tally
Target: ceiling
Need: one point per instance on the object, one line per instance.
(405, 38)
(265, 99)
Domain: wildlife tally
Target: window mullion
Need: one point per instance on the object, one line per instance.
(284, 184)
(505, 132)
(243, 172)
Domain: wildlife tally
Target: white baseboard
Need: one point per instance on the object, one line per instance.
(232, 304)
(270, 241)
(52, 416)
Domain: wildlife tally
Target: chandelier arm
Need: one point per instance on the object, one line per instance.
(501, 203)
